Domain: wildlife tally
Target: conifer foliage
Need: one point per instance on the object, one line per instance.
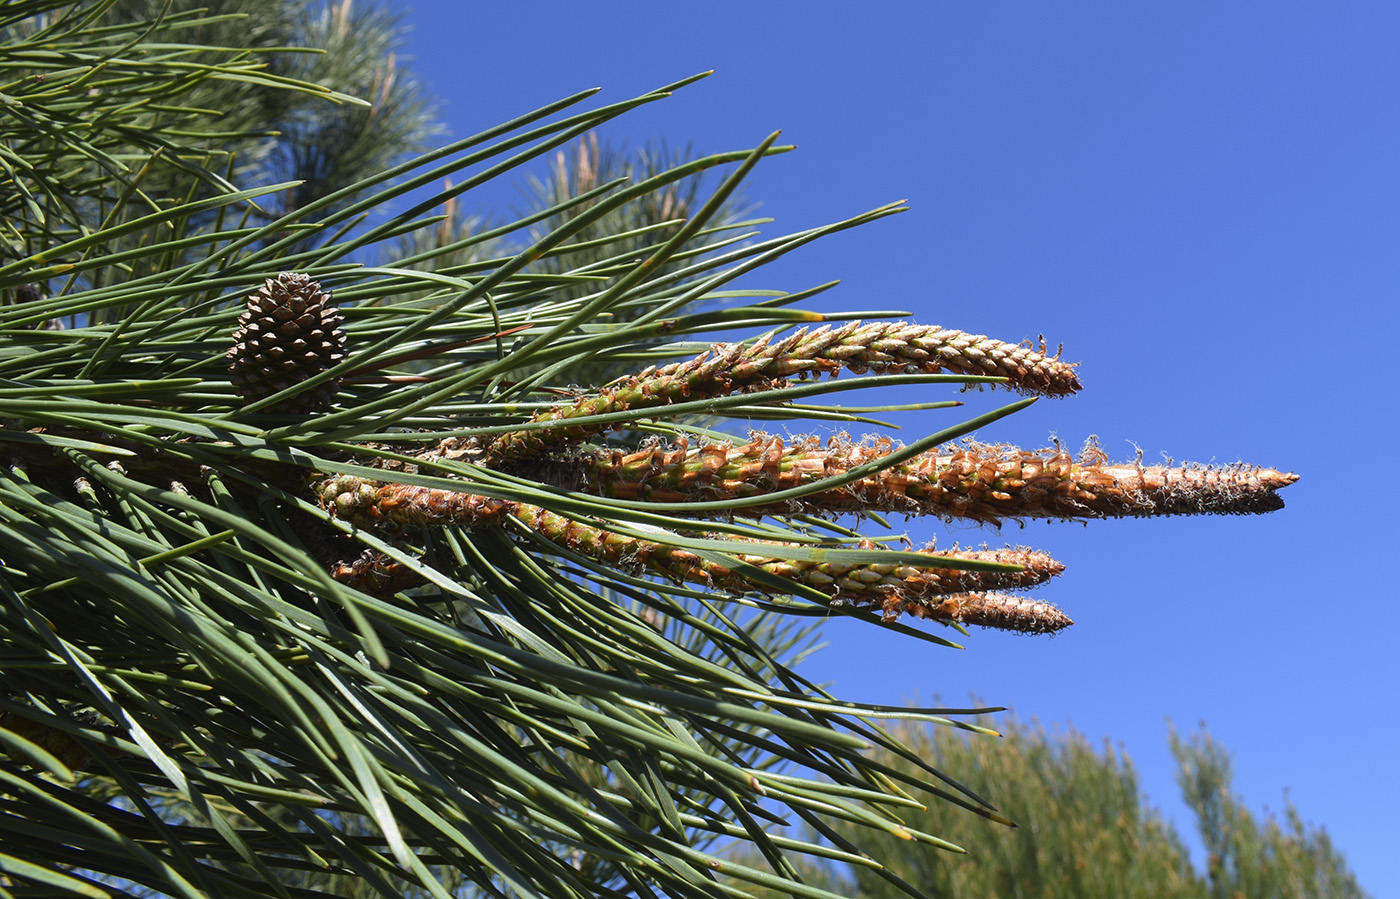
(395, 602)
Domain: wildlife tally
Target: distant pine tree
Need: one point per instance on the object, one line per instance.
(1246, 856)
(1083, 829)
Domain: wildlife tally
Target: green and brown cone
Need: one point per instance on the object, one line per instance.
(289, 333)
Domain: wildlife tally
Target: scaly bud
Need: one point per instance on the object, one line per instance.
(872, 584)
(889, 585)
(878, 347)
(365, 501)
(375, 573)
(1008, 613)
(985, 483)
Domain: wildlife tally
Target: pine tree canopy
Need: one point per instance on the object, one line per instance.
(352, 544)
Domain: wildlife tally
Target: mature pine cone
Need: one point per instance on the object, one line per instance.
(290, 332)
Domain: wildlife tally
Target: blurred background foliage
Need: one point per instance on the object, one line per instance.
(1085, 831)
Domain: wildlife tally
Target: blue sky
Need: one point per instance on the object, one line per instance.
(1201, 201)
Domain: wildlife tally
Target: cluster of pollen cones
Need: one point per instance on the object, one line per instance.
(768, 476)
